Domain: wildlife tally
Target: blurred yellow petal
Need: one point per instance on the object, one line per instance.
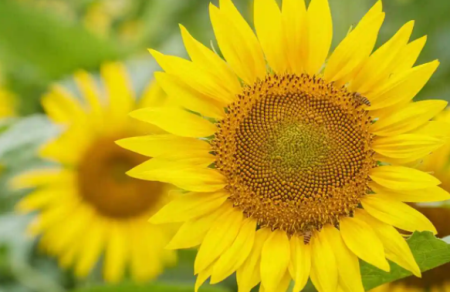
(93, 243)
(62, 107)
(117, 252)
(119, 91)
(42, 177)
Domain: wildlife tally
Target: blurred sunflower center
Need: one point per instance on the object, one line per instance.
(104, 184)
(296, 152)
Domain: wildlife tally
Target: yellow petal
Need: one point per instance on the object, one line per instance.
(294, 27)
(271, 34)
(119, 90)
(275, 259)
(89, 90)
(410, 117)
(402, 178)
(166, 146)
(437, 129)
(62, 107)
(176, 121)
(248, 275)
(188, 98)
(408, 147)
(221, 235)
(237, 42)
(210, 61)
(356, 47)
(42, 177)
(349, 273)
(39, 199)
(237, 253)
(433, 194)
(189, 206)
(396, 248)
(362, 240)
(202, 277)
(205, 82)
(153, 96)
(324, 269)
(402, 87)
(116, 254)
(380, 64)
(195, 178)
(409, 55)
(320, 35)
(397, 214)
(93, 243)
(192, 233)
(300, 261)
(282, 287)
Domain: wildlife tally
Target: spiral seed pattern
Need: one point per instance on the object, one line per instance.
(296, 152)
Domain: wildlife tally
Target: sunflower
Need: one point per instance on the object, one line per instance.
(435, 280)
(296, 162)
(86, 206)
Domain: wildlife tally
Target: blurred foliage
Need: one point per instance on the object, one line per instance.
(44, 41)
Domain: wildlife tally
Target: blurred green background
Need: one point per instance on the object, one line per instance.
(45, 41)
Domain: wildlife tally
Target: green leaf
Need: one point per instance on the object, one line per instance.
(429, 252)
(155, 287)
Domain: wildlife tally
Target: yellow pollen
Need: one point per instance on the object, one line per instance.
(296, 152)
(103, 183)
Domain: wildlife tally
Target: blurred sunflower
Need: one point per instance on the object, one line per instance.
(438, 162)
(7, 107)
(436, 280)
(88, 206)
(296, 169)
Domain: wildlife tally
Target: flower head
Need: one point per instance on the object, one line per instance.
(86, 206)
(296, 160)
